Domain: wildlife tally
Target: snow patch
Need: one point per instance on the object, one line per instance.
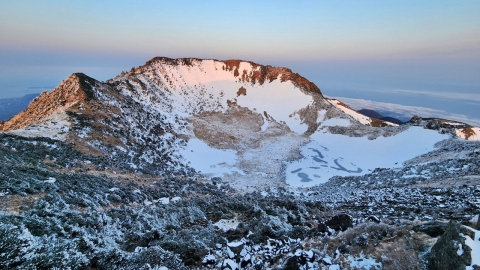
(364, 263)
(164, 200)
(356, 115)
(50, 180)
(227, 224)
(474, 244)
(336, 122)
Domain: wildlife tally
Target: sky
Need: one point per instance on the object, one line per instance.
(422, 54)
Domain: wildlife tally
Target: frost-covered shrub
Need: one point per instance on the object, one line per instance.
(15, 242)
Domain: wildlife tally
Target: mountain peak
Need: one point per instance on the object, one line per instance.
(77, 88)
(242, 70)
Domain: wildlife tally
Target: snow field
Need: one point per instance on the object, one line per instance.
(209, 160)
(329, 155)
(207, 87)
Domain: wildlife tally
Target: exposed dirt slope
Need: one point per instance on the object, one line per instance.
(76, 89)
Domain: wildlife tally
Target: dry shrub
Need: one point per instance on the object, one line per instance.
(398, 257)
(389, 244)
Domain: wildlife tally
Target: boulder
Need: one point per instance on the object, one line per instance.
(433, 229)
(340, 222)
(450, 251)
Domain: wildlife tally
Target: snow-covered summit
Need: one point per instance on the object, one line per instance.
(255, 126)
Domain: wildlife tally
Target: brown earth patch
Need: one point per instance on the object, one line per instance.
(228, 130)
(231, 103)
(393, 246)
(378, 123)
(231, 64)
(14, 203)
(263, 73)
(242, 91)
(468, 131)
(309, 116)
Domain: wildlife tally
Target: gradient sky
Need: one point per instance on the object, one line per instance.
(388, 51)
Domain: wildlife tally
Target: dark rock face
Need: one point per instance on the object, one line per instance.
(292, 264)
(445, 253)
(434, 124)
(340, 222)
(371, 113)
(434, 229)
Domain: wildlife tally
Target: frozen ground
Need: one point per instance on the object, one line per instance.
(54, 126)
(329, 155)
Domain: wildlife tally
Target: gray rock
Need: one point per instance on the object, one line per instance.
(444, 253)
(340, 222)
(433, 229)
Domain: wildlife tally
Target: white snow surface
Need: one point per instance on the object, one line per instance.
(206, 86)
(164, 200)
(209, 160)
(357, 116)
(227, 224)
(279, 100)
(474, 244)
(329, 155)
(336, 122)
(364, 263)
(50, 180)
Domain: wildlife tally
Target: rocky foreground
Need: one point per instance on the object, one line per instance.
(61, 208)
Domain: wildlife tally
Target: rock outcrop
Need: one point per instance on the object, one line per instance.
(75, 90)
(450, 251)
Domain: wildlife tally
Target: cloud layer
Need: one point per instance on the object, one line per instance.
(404, 112)
(444, 95)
